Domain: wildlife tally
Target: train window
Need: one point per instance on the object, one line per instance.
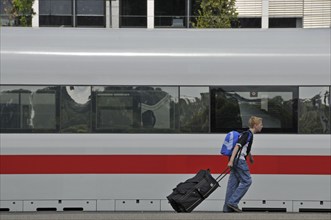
(314, 110)
(10, 111)
(28, 108)
(231, 107)
(75, 109)
(194, 109)
(135, 109)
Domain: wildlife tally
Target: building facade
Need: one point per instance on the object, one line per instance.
(173, 13)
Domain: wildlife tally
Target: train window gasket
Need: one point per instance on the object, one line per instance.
(293, 89)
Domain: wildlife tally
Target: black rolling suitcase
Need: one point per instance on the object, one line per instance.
(189, 194)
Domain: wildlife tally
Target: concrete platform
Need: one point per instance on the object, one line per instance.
(161, 216)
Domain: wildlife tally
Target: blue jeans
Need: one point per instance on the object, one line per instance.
(238, 184)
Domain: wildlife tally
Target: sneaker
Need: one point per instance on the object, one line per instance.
(234, 208)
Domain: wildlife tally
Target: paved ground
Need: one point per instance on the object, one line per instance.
(161, 216)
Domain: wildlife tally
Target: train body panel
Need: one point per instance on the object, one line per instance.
(119, 187)
(153, 186)
(270, 185)
(165, 57)
(103, 170)
(157, 144)
(172, 71)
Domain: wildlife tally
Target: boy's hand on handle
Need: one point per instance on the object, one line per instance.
(230, 164)
(251, 159)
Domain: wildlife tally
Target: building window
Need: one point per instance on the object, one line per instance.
(170, 13)
(56, 13)
(87, 13)
(133, 13)
(248, 23)
(314, 110)
(90, 13)
(5, 15)
(285, 22)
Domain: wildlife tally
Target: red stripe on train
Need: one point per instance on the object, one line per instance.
(157, 164)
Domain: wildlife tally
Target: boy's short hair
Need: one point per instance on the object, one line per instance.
(254, 121)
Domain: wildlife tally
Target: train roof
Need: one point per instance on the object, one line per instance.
(78, 56)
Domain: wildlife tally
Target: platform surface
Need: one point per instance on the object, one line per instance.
(160, 216)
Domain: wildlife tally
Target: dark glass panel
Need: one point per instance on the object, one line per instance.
(28, 108)
(170, 13)
(133, 13)
(135, 109)
(75, 109)
(285, 22)
(314, 110)
(194, 109)
(49, 20)
(231, 107)
(91, 21)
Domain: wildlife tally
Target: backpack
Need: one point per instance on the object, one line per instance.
(230, 141)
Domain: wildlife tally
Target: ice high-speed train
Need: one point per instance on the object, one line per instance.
(113, 120)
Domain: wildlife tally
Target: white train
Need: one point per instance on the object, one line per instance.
(112, 120)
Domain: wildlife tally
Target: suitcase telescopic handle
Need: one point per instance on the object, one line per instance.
(227, 169)
(223, 174)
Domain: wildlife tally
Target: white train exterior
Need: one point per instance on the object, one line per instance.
(118, 171)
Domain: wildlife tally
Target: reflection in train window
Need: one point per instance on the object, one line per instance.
(135, 108)
(28, 108)
(10, 109)
(314, 110)
(75, 109)
(194, 109)
(232, 107)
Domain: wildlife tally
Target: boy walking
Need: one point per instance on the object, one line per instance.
(240, 178)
